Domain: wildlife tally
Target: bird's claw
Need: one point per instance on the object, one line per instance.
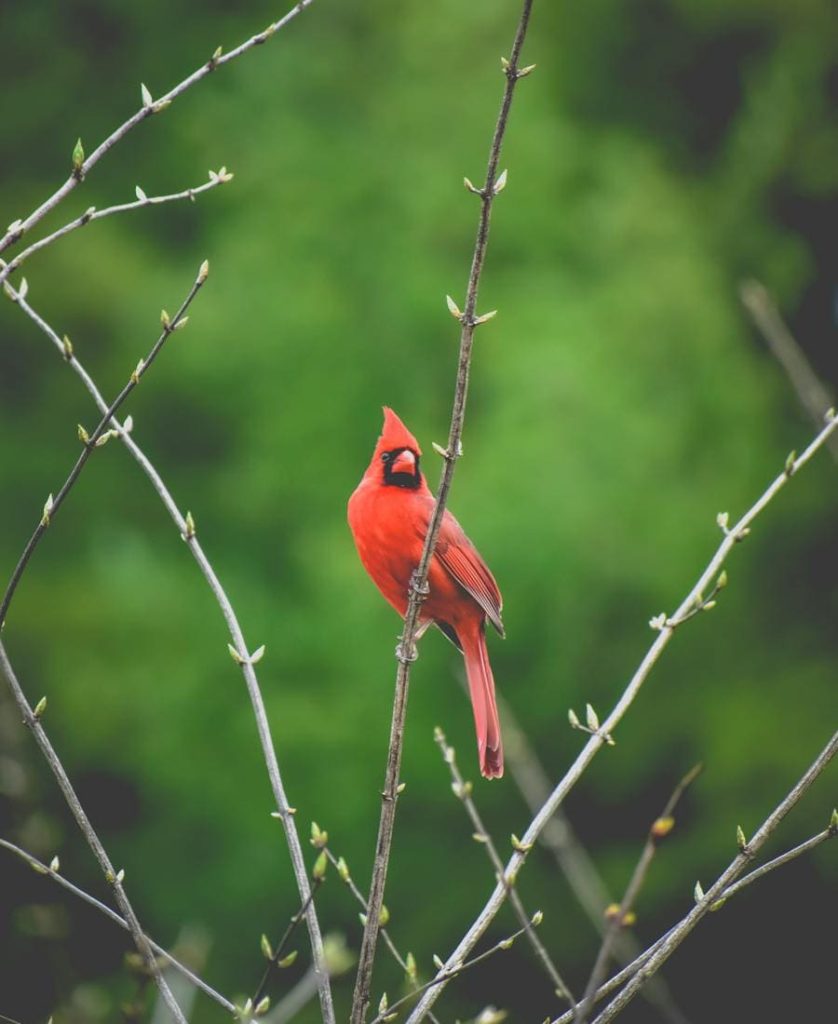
(421, 590)
(406, 654)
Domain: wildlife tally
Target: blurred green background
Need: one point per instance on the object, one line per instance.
(663, 151)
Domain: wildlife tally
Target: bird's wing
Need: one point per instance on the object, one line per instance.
(461, 559)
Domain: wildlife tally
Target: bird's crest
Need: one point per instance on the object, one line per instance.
(394, 434)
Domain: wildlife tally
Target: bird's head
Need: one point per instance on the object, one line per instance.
(397, 453)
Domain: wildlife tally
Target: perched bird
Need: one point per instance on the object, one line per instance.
(389, 514)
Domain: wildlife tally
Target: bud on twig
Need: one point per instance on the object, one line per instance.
(286, 961)
(267, 950)
(48, 505)
(318, 872)
(78, 159)
(319, 837)
(453, 308)
(40, 708)
(146, 96)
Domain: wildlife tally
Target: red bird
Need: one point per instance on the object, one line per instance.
(389, 514)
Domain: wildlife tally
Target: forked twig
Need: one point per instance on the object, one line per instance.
(705, 902)
(114, 878)
(619, 916)
(52, 872)
(463, 791)
(99, 436)
(665, 631)
(186, 528)
(83, 165)
(784, 858)
(406, 651)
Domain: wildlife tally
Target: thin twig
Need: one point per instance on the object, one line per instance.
(278, 953)
(185, 526)
(631, 969)
(463, 791)
(707, 901)
(80, 171)
(407, 964)
(406, 652)
(665, 631)
(811, 393)
(387, 1009)
(619, 916)
(574, 861)
(112, 877)
(98, 437)
(56, 876)
(217, 178)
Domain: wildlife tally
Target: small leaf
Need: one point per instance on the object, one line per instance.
(54, 864)
(234, 654)
(189, 533)
(257, 655)
(143, 198)
(537, 918)
(722, 519)
(383, 1005)
(528, 70)
(267, 950)
(438, 963)
(698, 892)
(319, 838)
(286, 961)
(262, 1006)
(68, 348)
(453, 308)
(741, 841)
(165, 319)
(486, 316)
(500, 183)
(23, 288)
(146, 95)
(573, 718)
(591, 718)
(791, 459)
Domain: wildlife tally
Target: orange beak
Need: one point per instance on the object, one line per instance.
(404, 462)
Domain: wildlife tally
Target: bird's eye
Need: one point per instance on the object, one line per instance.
(385, 456)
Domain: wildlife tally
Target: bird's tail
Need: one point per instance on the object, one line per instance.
(481, 686)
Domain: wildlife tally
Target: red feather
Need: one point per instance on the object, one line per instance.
(389, 513)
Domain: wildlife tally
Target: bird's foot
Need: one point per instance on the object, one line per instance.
(420, 591)
(406, 654)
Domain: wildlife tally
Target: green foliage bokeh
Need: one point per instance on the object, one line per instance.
(661, 152)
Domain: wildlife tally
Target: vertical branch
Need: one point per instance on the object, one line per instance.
(406, 651)
(114, 878)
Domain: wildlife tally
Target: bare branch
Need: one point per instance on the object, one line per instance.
(216, 178)
(246, 663)
(631, 969)
(98, 437)
(83, 165)
(387, 1010)
(407, 964)
(418, 588)
(665, 631)
(620, 915)
(113, 877)
(715, 894)
(811, 393)
(463, 790)
(560, 839)
(65, 883)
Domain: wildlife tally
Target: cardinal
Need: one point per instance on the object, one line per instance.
(389, 514)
